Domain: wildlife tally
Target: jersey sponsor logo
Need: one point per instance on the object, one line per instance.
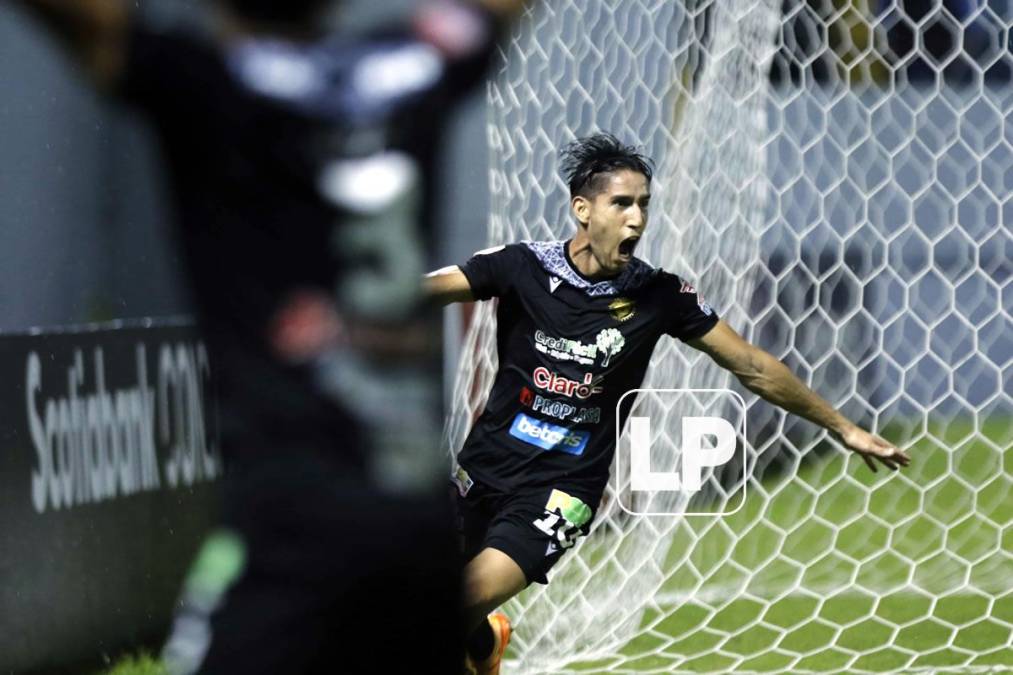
(562, 410)
(622, 309)
(547, 380)
(549, 436)
(565, 349)
(527, 397)
(700, 302)
(393, 73)
(277, 70)
(610, 341)
(554, 284)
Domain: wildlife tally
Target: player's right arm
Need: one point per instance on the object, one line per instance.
(490, 273)
(95, 31)
(447, 285)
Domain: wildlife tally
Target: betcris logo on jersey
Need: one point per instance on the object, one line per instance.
(549, 436)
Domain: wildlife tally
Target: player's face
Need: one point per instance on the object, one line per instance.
(616, 218)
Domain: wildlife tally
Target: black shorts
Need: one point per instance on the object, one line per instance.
(535, 527)
(330, 575)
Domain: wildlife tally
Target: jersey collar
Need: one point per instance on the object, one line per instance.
(554, 259)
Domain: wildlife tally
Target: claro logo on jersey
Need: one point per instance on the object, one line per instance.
(547, 380)
(549, 436)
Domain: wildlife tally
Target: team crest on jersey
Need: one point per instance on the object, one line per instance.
(622, 309)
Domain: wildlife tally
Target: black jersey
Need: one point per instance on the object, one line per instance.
(302, 171)
(569, 348)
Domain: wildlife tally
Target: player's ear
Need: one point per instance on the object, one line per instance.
(581, 206)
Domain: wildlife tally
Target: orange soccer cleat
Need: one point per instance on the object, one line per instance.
(501, 638)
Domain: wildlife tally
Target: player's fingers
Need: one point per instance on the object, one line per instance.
(902, 457)
(896, 455)
(888, 462)
(886, 449)
(869, 463)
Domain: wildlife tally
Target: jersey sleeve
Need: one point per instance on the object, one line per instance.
(688, 315)
(491, 272)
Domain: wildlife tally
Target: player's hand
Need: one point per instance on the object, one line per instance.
(872, 448)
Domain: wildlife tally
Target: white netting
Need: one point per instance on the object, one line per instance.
(846, 212)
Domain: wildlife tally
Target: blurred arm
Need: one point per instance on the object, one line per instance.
(447, 285)
(764, 375)
(93, 30)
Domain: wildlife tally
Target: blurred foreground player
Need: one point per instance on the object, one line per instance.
(300, 167)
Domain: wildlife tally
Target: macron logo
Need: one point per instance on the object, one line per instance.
(554, 284)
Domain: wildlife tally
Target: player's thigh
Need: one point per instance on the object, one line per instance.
(491, 578)
(476, 508)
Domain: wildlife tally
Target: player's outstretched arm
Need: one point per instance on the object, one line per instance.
(447, 285)
(93, 30)
(764, 375)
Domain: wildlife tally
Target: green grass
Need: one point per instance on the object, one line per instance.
(141, 664)
(844, 570)
(826, 558)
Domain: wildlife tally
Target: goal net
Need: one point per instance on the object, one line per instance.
(835, 177)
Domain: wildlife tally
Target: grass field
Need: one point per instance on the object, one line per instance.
(839, 569)
(141, 664)
(836, 569)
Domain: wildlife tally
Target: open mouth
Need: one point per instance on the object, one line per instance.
(627, 246)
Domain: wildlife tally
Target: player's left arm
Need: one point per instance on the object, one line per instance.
(766, 376)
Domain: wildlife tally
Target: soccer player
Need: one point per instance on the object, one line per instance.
(300, 165)
(533, 469)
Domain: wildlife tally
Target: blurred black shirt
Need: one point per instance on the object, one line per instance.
(301, 175)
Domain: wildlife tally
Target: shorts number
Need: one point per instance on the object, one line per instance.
(565, 533)
(564, 518)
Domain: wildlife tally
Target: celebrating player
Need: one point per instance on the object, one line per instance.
(300, 166)
(577, 323)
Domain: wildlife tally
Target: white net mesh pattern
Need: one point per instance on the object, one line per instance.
(845, 208)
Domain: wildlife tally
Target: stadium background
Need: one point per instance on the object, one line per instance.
(84, 232)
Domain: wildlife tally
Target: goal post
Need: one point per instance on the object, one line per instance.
(835, 177)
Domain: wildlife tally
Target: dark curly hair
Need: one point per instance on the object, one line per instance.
(586, 161)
